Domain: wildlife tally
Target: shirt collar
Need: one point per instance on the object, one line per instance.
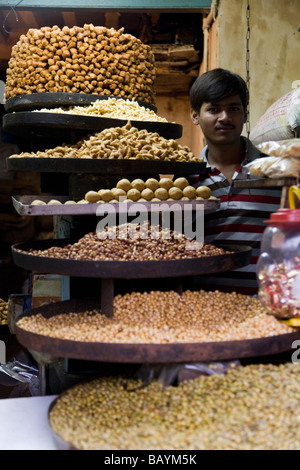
(252, 153)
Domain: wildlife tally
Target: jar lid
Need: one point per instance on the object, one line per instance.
(284, 216)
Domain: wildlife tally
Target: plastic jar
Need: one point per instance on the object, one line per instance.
(278, 267)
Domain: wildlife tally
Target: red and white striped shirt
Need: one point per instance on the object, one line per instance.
(238, 221)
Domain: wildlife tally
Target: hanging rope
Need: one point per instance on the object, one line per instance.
(12, 8)
(248, 66)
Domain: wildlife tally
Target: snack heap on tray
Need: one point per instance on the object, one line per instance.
(115, 108)
(88, 59)
(126, 142)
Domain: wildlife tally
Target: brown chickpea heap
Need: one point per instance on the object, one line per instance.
(131, 242)
(88, 59)
(163, 318)
(250, 408)
(125, 142)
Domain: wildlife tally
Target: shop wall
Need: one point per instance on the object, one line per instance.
(274, 57)
(274, 47)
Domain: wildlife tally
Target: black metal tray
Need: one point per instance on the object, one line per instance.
(23, 207)
(145, 353)
(49, 100)
(23, 122)
(104, 166)
(126, 269)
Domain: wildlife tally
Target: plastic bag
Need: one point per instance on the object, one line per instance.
(280, 120)
(282, 148)
(275, 167)
(19, 372)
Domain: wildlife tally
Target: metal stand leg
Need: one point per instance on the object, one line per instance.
(107, 297)
(178, 285)
(43, 379)
(43, 361)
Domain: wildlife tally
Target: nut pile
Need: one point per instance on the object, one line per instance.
(131, 242)
(250, 408)
(110, 108)
(164, 189)
(88, 59)
(124, 142)
(3, 312)
(164, 318)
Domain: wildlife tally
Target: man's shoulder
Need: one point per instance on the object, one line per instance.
(252, 151)
(203, 152)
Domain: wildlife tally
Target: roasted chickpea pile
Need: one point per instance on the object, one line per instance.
(3, 312)
(88, 59)
(252, 407)
(125, 142)
(164, 318)
(132, 242)
(111, 108)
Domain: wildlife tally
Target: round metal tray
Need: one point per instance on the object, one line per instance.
(104, 166)
(145, 353)
(23, 122)
(49, 100)
(126, 269)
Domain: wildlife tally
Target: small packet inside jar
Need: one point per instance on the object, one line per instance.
(280, 289)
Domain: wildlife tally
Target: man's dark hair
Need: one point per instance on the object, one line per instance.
(216, 85)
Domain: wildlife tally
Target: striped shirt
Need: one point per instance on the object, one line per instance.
(238, 221)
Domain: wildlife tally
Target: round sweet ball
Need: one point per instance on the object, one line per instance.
(107, 195)
(181, 183)
(124, 184)
(203, 191)
(38, 202)
(147, 194)
(138, 184)
(54, 202)
(70, 202)
(133, 194)
(152, 183)
(175, 193)
(92, 196)
(161, 194)
(190, 192)
(118, 192)
(165, 183)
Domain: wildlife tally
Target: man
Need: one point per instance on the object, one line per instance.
(219, 100)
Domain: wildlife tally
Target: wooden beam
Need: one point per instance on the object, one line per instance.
(29, 19)
(69, 18)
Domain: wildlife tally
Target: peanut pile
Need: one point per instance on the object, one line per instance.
(250, 408)
(131, 242)
(125, 142)
(164, 318)
(88, 59)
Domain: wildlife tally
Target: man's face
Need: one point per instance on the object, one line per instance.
(221, 122)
